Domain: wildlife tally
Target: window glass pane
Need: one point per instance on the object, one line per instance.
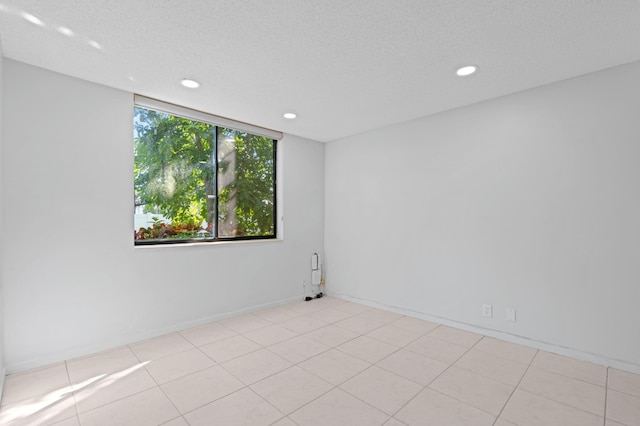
(246, 178)
(174, 177)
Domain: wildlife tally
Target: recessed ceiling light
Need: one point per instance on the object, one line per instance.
(191, 84)
(95, 44)
(34, 20)
(289, 115)
(468, 70)
(66, 31)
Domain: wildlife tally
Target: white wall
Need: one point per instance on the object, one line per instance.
(74, 283)
(2, 238)
(529, 201)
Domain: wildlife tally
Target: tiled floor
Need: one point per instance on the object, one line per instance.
(324, 362)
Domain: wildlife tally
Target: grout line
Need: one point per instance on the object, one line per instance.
(553, 400)
(423, 386)
(436, 378)
(368, 403)
(133, 394)
(333, 387)
(72, 391)
(606, 397)
(265, 400)
(561, 373)
(559, 402)
(504, 357)
(487, 376)
(515, 388)
(347, 392)
(170, 420)
(113, 401)
(632, 395)
(163, 356)
(160, 387)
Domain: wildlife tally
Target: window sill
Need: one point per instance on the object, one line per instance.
(208, 243)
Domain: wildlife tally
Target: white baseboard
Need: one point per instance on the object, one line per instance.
(501, 335)
(119, 341)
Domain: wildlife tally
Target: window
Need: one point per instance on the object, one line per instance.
(197, 180)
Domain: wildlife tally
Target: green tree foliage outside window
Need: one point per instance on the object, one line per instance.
(202, 181)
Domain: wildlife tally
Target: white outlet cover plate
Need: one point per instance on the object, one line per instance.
(511, 314)
(487, 311)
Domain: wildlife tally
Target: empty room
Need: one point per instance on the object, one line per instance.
(320, 213)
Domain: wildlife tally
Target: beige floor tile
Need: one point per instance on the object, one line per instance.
(242, 408)
(608, 422)
(437, 349)
(623, 381)
(414, 324)
(303, 324)
(433, 408)
(493, 367)
(623, 408)
(352, 308)
(413, 366)
(573, 392)
(481, 392)
(209, 333)
(150, 407)
(306, 307)
(285, 421)
(113, 387)
(178, 421)
(338, 408)
(574, 368)
(43, 410)
(228, 349)
(35, 383)
(298, 349)
(290, 389)
(359, 324)
(92, 367)
(270, 335)
(367, 349)
(179, 365)
(502, 422)
(256, 366)
(394, 422)
(201, 388)
(334, 366)
(73, 421)
(527, 409)
(330, 315)
(511, 351)
(278, 314)
(453, 335)
(384, 390)
(331, 335)
(245, 323)
(394, 336)
(161, 347)
(380, 315)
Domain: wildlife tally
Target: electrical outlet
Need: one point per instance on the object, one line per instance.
(511, 314)
(487, 311)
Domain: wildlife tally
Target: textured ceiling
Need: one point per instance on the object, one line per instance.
(344, 67)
